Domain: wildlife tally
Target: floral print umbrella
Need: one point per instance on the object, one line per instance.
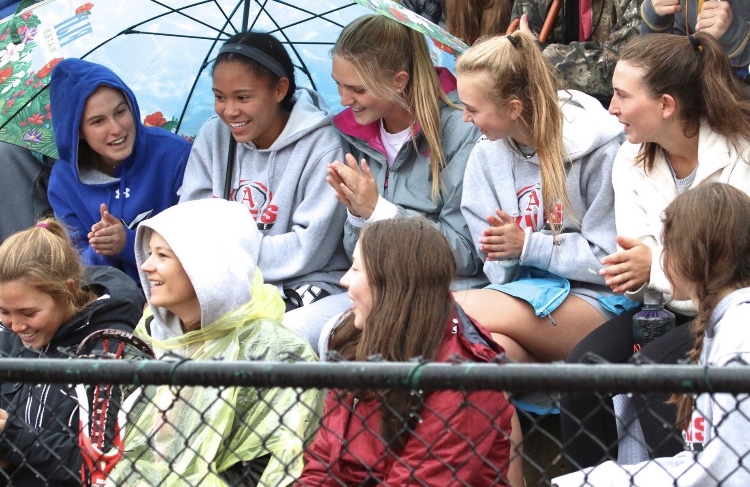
(162, 49)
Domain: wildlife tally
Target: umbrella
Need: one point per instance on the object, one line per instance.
(161, 48)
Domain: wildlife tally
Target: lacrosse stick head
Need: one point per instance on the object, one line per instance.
(103, 408)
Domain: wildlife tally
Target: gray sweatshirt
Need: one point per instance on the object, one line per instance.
(499, 175)
(285, 189)
(717, 444)
(735, 40)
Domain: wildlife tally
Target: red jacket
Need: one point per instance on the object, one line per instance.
(462, 438)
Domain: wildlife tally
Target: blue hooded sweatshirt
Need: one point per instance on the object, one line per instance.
(143, 185)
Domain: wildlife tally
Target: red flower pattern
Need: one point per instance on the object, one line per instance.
(86, 7)
(156, 119)
(47, 69)
(5, 73)
(37, 118)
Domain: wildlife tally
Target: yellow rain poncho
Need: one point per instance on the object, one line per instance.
(188, 436)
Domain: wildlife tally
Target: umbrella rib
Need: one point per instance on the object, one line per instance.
(205, 62)
(313, 14)
(303, 66)
(179, 11)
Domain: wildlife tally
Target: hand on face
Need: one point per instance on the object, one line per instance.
(355, 186)
(628, 269)
(666, 7)
(503, 239)
(714, 19)
(107, 236)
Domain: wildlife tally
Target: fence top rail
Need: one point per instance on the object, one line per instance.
(615, 378)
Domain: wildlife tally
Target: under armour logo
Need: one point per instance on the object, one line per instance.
(126, 193)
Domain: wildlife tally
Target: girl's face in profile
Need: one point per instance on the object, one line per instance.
(366, 107)
(358, 289)
(493, 122)
(107, 125)
(248, 104)
(635, 107)
(31, 314)
(169, 284)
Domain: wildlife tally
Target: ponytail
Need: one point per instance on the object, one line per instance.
(516, 69)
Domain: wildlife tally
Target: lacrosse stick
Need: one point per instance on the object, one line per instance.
(104, 407)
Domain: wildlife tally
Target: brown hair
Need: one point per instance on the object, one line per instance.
(44, 257)
(698, 75)
(512, 67)
(706, 238)
(409, 267)
(378, 48)
(470, 20)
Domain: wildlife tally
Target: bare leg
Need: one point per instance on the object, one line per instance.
(502, 314)
(513, 349)
(515, 470)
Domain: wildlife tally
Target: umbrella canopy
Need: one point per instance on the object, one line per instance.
(161, 48)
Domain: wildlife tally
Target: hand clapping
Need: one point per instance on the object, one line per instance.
(503, 239)
(107, 237)
(355, 186)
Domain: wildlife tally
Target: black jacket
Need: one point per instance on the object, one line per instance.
(432, 10)
(40, 439)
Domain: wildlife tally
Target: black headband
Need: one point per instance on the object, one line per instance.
(256, 55)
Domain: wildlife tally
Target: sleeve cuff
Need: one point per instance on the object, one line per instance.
(355, 221)
(527, 232)
(384, 210)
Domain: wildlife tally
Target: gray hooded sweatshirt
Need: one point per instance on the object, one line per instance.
(716, 442)
(499, 175)
(284, 187)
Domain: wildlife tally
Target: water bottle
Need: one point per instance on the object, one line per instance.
(652, 321)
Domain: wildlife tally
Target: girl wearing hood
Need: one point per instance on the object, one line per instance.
(541, 200)
(267, 148)
(113, 171)
(48, 305)
(402, 309)
(205, 306)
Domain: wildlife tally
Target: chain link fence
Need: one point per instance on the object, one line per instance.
(178, 422)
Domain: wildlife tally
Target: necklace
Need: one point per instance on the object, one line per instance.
(684, 183)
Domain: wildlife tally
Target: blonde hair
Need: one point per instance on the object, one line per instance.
(378, 49)
(45, 258)
(512, 68)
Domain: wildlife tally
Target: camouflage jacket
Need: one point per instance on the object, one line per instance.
(587, 66)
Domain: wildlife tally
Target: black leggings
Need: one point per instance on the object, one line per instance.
(587, 420)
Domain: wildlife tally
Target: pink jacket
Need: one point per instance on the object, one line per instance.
(462, 438)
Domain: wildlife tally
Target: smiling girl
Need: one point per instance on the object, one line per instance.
(113, 171)
(399, 283)
(268, 148)
(541, 198)
(48, 305)
(209, 306)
